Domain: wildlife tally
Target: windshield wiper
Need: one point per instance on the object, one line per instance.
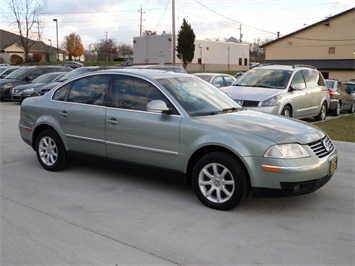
(230, 109)
(225, 110)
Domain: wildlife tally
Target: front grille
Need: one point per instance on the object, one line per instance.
(322, 147)
(250, 103)
(298, 188)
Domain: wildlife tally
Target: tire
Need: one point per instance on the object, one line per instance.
(219, 181)
(50, 151)
(322, 113)
(336, 111)
(352, 108)
(287, 111)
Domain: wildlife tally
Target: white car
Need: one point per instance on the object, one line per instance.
(218, 80)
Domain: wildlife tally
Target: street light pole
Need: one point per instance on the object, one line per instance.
(56, 23)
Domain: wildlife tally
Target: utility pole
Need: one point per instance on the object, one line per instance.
(240, 33)
(140, 21)
(173, 31)
(106, 48)
(39, 33)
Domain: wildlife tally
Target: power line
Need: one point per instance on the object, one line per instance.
(162, 15)
(269, 32)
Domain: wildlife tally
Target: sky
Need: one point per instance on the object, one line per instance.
(120, 20)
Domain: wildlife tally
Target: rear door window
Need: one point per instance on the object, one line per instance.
(311, 76)
(87, 90)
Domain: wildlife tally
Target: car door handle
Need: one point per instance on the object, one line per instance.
(112, 121)
(63, 114)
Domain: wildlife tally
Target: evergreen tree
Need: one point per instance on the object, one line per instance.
(185, 44)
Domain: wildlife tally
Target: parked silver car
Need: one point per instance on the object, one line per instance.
(295, 91)
(218, 80)
(180, 124)
(340, 97)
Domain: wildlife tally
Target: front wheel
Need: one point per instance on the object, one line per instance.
(287, 111)
(50, 151)
(322, 113)
(219, 181)
(352, 108)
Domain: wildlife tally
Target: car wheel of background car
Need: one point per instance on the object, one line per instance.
(219, 181)
(336, 111)
(50, 151)
(352, 108)
(287, 111)
(322, 113)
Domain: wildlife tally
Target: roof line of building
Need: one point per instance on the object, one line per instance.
(308, 27)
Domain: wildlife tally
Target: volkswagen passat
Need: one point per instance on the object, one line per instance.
(180, 124)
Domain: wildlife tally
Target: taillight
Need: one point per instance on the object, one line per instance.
(331, 93)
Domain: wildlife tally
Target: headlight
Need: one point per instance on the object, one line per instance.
(8, 86)
(272, 101)
(287, 151)
(28, 90)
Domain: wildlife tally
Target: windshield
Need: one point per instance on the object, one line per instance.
(204, 77)
(266, 78)
(46, 78)
(197, 97)
(75, 72)
(18, 74)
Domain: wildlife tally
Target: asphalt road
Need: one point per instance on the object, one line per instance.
(92, 215)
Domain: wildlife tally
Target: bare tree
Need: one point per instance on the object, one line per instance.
(106, 49)
(26, 13)
(257, 54)
(125, 50)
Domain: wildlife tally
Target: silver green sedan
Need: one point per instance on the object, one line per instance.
(182, 125)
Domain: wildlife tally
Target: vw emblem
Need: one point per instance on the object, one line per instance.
(326, 145)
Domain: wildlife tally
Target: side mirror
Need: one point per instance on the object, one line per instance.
(157, 106)
(297, 87)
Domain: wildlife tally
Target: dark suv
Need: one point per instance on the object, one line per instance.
(25, 75)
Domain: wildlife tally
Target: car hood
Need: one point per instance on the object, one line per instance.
(27, 86)
(274, 128)
(251, 93)
(5, 81)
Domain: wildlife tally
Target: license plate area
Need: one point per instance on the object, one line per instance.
(333, 165)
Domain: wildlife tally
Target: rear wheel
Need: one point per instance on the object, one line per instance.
(50, 151)
(322, 113)
(352, 108)
(336, 111)
(219, 181)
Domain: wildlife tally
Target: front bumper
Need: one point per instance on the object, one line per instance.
(19, 97)
(287, 177)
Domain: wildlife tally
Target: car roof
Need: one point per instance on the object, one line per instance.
(149, 73)
(283, 67)
(211, 74)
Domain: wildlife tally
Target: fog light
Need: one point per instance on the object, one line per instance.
(296, 188)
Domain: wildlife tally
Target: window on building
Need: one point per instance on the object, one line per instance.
(245, 61)
(331, 50)
(240, 61)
